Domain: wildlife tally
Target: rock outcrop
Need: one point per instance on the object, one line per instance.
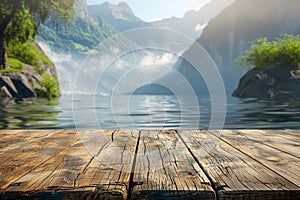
(273, 82)
(25, 84)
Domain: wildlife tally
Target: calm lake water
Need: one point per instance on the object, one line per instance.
(145, 112)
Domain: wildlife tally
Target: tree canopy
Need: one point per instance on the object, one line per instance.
(20, 19)
(283, 51)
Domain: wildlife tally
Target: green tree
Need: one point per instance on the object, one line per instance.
(283, 51)
(20, 19)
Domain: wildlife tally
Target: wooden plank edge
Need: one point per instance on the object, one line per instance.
(83, 194)
(259, 194)
(172, 194)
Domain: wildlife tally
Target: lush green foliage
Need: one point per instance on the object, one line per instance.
(23, 27)
(57, 10)
(19, 22)
(27, 53)
(50, 87)
(20, 19)
(15, 66)
(283, 51)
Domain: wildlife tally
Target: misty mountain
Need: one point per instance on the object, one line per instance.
(123, 20)
(68, 44)
(193, 22)
(80, 37)
(229, 34)
(90, 51)
(119, 16)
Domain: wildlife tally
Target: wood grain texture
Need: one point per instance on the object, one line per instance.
(281, 162)
(292, 135)
(235, 174)
(80, 173)
(165, 169)
(225, 164)
(27, 156)
(12, 140)
(274, 139)
(110, 169)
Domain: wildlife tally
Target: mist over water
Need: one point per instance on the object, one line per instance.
(145, 112)
(90, 111)
(118, 69)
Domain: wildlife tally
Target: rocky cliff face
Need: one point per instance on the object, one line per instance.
(273, 82)
(82, 8)
(229, 34)
(25, 84)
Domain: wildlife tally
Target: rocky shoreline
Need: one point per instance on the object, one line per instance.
(25, 84)
(273, 82)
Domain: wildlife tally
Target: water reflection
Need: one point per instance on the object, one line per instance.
(150, 112)
(144, 112)
(28, 113)
(262, 114)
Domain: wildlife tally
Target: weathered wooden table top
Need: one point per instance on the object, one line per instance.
(227, 164)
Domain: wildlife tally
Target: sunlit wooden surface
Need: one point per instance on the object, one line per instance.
(227, 164)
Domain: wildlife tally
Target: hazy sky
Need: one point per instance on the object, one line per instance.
(150, 10)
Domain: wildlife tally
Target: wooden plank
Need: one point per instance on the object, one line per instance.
(53, 178)
(165, 169)
(292, 132)
(289, 134)
(14, 139)
(110, 170)
(22, 160)
(234, 174)
(94, 165)
(67, 175)
(9, 137)
(273, 139)
(284, 164)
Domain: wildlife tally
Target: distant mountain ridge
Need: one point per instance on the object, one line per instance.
(122, 17)
(119, 16)
(193, 22)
